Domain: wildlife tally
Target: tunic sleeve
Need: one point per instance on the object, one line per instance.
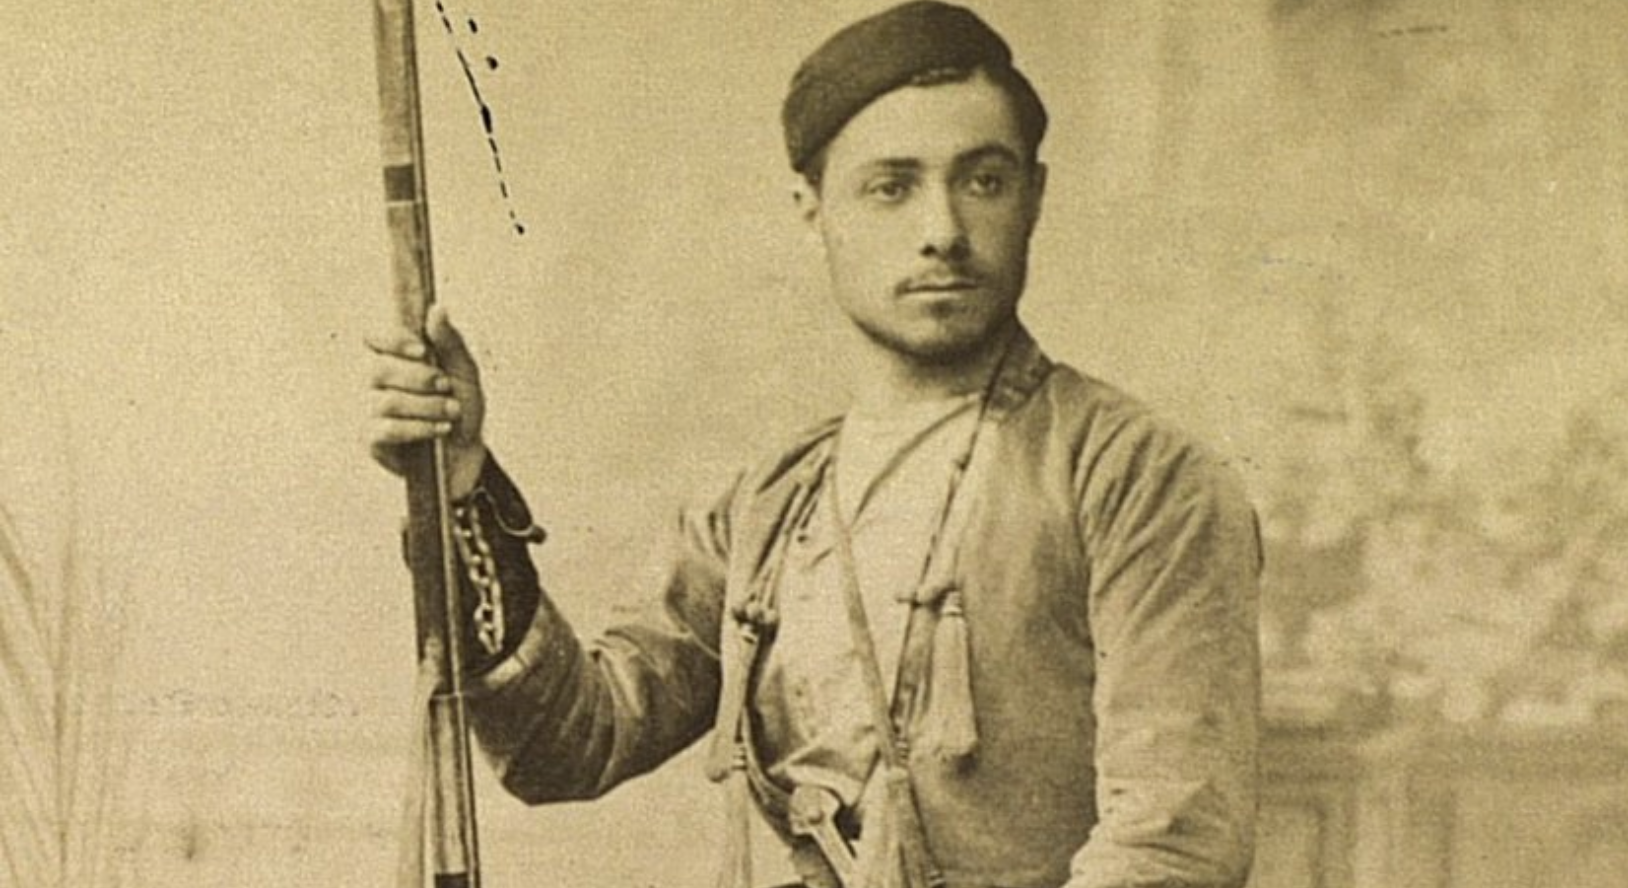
(1175, 565)
(564, 719)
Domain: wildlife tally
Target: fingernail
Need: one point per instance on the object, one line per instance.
(443, 384)
(453, 408)
(442, 428)
(414, 349)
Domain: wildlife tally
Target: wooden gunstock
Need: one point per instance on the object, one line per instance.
(447, 828)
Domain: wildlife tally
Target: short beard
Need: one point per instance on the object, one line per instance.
(943, 355)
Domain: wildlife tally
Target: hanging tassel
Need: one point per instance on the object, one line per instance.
(751, 620)
(411, 863)
(904, 860)
(948, 729)
(881, 859)
(727, 759)
(736, 868)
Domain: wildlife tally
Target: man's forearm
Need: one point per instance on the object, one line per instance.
(561, 719)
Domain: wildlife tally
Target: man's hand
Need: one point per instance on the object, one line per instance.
(411, 401)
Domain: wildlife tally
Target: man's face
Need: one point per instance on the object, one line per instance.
(925, 209)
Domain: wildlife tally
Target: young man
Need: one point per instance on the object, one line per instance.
(995, 626)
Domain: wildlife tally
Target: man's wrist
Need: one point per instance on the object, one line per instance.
(464, 471)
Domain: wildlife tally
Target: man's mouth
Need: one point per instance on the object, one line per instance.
(937, 284)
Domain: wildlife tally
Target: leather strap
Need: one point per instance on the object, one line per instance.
(894, 752)
(916, 861)
(943, 552)
(919, 869)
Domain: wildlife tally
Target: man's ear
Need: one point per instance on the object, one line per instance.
(807, 197)
(1037, 193)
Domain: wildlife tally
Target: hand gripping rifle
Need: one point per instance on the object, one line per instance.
(440, 816)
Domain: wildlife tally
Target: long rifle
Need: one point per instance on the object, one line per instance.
(445, 787)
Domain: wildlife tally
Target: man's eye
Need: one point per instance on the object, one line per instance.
(889, 190)
(987, 184)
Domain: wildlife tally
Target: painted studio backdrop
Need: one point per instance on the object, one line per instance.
(1375, 251)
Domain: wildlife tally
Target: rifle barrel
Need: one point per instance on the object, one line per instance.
(450, 819)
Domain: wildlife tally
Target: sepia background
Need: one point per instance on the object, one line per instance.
(1375, 251)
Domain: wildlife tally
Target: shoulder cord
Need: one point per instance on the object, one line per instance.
(730, 760)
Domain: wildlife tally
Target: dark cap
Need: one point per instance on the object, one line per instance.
(877, 55)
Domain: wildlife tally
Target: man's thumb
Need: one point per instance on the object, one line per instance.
(448, 342)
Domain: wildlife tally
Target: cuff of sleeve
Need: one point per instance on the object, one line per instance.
(497, 496)
(493, 528)
(542, 654)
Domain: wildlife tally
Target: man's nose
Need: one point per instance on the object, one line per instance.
(943, 234)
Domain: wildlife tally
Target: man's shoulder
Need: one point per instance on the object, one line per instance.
(1118, 437)
(1076, 393)
(1101, 414)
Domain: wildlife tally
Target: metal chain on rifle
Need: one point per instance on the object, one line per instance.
(481, 569)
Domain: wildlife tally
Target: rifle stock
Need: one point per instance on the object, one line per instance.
(445, 826)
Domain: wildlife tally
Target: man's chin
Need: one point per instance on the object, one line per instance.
(945, 347)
